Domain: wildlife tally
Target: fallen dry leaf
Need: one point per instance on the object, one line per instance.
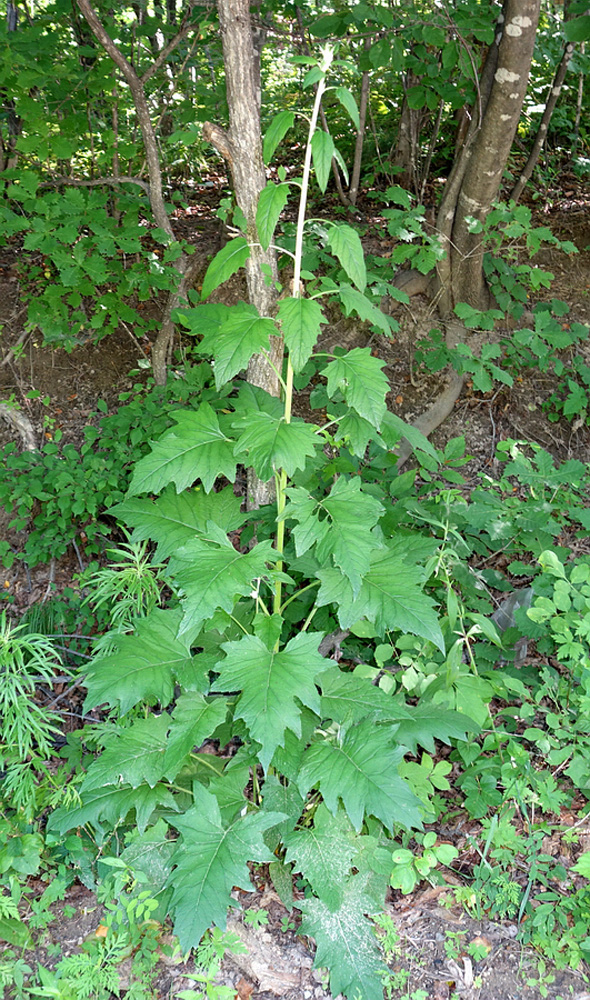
(245, 989)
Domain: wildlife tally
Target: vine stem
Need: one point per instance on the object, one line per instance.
(281, 478)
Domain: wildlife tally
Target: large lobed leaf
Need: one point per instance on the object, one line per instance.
(346, 941)
(359, 768)
(144, 667)
(350, 698)
(274, 685)
(358, 376)
(194, 719)
(271, 444)
(390, 596)
(231, 346)
(132, 755)
(324, 852)
(300, 321)
(210, 860)
(111, 805)
(212, 574)
(174, 518)
(196, 448)
(340, 525)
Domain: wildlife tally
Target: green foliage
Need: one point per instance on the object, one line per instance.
(84, 250)
(509, 228)
(219, 637)
(409, 868)
(26, 737)
(56, 494)
(208, 958)
(233, 653)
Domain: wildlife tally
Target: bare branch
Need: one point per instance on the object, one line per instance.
(220, 140)
(143, 114)
(110, 181)
(162, 56)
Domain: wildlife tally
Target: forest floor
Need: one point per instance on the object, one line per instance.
(431, 955)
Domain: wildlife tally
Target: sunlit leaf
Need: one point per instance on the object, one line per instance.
(322, 148)
(276, 131)
(196, 448)
(300, 321)
(271, 203)
(345, 242)
(230, 259)
(359, 769)
(358, 376)
(273, 686)
(210, 860)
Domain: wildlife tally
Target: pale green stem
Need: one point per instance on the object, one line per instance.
(239, 624)
(307, 621)
(298, 593)
(205, 763)
(275, 370)
(296, 292)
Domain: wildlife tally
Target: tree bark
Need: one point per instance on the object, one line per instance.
(404, 157)
(552, 98)
(474, 183)
(483, 159)
(241, 147)
(360, 135)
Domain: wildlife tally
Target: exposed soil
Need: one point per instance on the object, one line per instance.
(279, 963)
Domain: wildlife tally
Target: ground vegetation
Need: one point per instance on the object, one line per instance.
(277, 646)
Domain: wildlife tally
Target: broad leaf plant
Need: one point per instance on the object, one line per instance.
(308, 776)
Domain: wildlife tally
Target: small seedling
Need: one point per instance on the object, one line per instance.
(388, 934)
(255, 918)
(453, 944)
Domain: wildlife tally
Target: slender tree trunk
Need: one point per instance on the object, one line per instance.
(552, 98)
(474, 183)
(471, 192)
(404, 158)
(360, 135)
(579, 104)
(448, 205)
(241, 147)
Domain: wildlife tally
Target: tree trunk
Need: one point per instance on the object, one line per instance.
(405, 154)
(477, 174)
(474, 183)
(360, 135)
(579, 105)
(552, 98)
(241, 147)
(150, 143)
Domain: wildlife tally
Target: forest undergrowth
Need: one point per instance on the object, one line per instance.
(378, 679)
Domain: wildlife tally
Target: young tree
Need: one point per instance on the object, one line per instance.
(137, 88)
(473, 185)
(241, 147)
(477, 172)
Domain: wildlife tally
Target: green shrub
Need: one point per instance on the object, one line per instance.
(57, 494)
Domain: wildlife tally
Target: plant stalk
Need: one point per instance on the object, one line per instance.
(296, 292)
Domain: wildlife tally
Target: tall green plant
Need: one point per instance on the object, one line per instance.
(240, 651)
